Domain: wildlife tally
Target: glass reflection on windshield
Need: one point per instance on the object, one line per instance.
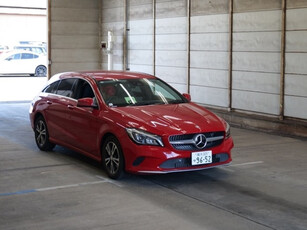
(137, 92)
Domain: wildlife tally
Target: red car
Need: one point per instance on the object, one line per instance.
(130, 122)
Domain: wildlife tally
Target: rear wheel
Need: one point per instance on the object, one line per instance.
(112, 158)
(41, 71)
(42, 135)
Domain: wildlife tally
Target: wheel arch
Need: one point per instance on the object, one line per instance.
(37, 115)
(34, 118)
(104, 138)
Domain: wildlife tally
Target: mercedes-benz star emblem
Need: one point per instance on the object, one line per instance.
(200, 141)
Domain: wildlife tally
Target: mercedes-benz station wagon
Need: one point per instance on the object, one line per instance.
(130, 122)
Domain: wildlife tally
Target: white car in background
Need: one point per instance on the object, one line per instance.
(41, 50)
(23, 63)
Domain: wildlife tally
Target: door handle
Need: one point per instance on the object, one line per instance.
(49, 102)
(70, 106)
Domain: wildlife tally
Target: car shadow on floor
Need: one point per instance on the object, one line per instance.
(188, 178)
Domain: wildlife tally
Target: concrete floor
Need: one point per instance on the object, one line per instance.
(264, 188)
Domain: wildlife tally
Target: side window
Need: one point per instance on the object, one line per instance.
(83, 90)
(27, 56)
(35, 56)
(10, 58)
(17, 56)
(66, 87)
(52, 88)
(13, 57)
(39, 50)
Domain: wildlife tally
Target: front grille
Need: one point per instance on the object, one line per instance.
(187, 141)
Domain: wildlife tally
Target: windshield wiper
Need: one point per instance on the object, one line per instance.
(147, 103)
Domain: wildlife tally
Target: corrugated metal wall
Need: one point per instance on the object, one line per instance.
(192, 53)
(257, 55)
(140, 36)
(74, 35)
(209, 52)
(113, 20)
(171, 42)
(296, 60)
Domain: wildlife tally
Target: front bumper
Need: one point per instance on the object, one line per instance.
(143, 159)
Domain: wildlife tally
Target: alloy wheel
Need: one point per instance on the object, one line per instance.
(41, 133)
(112, 157)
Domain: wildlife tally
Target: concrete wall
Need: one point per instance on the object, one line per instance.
(74, 35)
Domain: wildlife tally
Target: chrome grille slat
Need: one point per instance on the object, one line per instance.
(183, 142)
(187, 142)
(215, 138)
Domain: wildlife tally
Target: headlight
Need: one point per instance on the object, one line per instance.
(227, 135)
(143, 138)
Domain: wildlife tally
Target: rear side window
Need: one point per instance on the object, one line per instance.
(65, 87)
(52, 88)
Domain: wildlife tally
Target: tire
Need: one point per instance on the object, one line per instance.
(112, 158)
(42, 135)
(40, 71)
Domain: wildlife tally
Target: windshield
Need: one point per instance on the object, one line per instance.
(135, 92)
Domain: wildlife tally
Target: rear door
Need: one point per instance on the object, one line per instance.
(57, 113)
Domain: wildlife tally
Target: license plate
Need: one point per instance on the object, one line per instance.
(200, 158)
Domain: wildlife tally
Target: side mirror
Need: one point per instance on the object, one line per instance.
(187, 96)
(86, 102)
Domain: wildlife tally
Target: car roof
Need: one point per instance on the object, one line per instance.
(25, 46)
(104, 75)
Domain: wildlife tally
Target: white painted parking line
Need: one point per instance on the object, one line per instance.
(247, 163)
(70, 185)
(102, 180)
(230, 167)
(226, 169)
(118, 184)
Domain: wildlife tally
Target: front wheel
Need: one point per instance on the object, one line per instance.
(41, 71)
(42, 135)
(112, 158)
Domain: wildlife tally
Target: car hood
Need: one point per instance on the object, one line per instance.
(169, 119)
